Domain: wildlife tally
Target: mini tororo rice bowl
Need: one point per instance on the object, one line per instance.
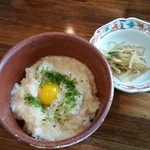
(27, 53)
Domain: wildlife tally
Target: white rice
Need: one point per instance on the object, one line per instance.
(79, 117)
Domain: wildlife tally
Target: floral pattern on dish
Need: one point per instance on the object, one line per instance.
(119, 24)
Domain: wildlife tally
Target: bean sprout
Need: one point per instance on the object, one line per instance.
(126, 61)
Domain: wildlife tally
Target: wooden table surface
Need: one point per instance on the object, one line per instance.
(127, 126)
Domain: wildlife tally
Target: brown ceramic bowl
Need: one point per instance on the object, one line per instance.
(26, 53)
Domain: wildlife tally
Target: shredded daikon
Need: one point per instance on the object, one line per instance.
(126, 61)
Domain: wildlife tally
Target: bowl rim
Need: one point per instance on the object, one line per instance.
(116, 20)
(124, 87)
(78, 138)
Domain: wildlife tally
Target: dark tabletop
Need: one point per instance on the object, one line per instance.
(127, 126)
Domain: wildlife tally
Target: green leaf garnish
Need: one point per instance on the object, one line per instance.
(33, 101)
(70, 94)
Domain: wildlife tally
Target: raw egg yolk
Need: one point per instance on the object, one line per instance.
(48, 93)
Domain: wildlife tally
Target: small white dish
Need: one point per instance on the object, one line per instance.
(132, 31)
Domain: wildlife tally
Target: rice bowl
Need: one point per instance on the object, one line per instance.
(28, 52)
